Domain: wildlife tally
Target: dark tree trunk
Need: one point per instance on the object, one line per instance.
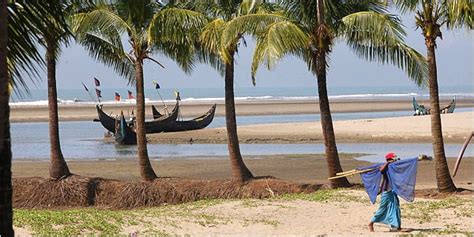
(146, 170)
(332, 157)
(6, 212)
(240, 172)
(443, 178)
(58, 168)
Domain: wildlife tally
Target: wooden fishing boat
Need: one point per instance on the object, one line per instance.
(193, 124)
(124, 134)
(422, 110)
(154, 126)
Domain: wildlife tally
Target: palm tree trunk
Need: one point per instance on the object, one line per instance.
(240, 172)
(146, 170)
(58, 168)
(443, 178)
(6, 211)
(332, 157)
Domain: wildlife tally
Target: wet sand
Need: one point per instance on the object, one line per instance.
(84, 112)
(295, 168)
(408, 129)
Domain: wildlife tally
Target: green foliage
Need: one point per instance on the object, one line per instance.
(365, 26)
(71, 222)
(425, 211)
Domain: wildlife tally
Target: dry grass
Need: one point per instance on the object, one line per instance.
(80, 191)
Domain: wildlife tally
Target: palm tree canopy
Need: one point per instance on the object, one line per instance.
(365, 26)
(26, 20)
(453, 13)
(147, 25)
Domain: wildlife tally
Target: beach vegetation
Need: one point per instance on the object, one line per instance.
(309, 29)
(430, 17)
(426, 211)
(149, 27)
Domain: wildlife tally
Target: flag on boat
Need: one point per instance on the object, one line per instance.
(85, 87)
(130, 95)
(99, 93)
(97, 82)
(117, 96)
(157, 86)
(176, 93)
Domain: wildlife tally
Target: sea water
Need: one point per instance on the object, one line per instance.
(78, 96)
(84, 140)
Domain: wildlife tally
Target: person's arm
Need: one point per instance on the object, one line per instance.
(384, 167)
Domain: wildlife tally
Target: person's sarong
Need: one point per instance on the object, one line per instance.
(389, 210)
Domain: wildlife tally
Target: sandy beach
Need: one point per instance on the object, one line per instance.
(327, 212)
(408, 129)
(85, 112)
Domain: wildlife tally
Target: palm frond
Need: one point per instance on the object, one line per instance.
(252, 24)
(110, 54)
(459, 13)
(279, 39)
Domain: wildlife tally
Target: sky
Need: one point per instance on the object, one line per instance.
(455, 57)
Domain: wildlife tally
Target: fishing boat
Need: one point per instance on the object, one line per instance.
(154, 126)
(124, 134)
(422, 110)
(193, 124)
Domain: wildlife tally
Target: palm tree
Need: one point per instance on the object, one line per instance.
(149, 27)
(6, 216)
(223, 12)
(18, 24)
(430, 17)
(309, 31)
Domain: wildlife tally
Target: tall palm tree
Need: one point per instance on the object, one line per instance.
(6, 216)
(19, 57)
(309, 31)
(431, 15)
(149, 27)
(221, 13)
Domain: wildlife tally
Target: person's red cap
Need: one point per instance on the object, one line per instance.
(390, 156)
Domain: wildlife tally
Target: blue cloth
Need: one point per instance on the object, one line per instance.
(389, 210)
(401, 175)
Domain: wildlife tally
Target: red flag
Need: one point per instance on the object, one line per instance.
(117, 96)
(97, 82)
(130, 95)
(98, 92)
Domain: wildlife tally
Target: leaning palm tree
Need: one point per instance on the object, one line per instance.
(149, 27)
(309, 31)
(431, 15)
(18, 24)
(223, 12)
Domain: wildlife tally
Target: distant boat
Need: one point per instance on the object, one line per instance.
(124, 134)
(422, 110)
(188, 125)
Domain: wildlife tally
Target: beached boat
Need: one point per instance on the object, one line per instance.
(154, 126)
(422, 110)
(187, 125)
(124, 134)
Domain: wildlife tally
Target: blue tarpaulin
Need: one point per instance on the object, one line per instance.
(401, 175)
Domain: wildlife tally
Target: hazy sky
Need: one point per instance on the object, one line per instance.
(455, 56)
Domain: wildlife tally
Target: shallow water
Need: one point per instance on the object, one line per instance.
(84, 140)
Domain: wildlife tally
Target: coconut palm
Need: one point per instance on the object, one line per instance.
(430, 17)
(149, 27)
(221, 13)
(309, 32)
(19, 23)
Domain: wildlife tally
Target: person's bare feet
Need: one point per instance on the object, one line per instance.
(371, 226)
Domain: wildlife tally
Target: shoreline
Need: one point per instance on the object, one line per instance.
(87, 112)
